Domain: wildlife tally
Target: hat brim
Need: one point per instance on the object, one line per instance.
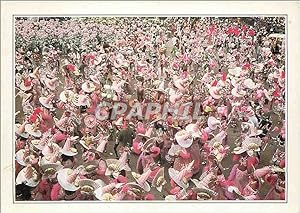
(25, 88)
(19, 157)
(84, 145)
(51, 87)
(29, 129)
(62, 180)
(90, 89)
(174, 175)
(63, 97)
(55, 147)
(190, 128)
(59, 127)
(68, 152)
(36, 144)
(145, 186)
(43, 102)
(22, 179)
(23, 134)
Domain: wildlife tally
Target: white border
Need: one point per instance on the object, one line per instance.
(8, 9)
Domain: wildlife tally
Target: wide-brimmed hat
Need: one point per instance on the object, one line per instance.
(46, 101)
(213, 123)
(51, 83)
(159, 179)
(40, 144)
(194, 130)
(95, 78)
(20, 130)
(90, 121)
(28, 176)
(184, 138)
(51, 169)
(204, 193)
(148, 144)
(25, 157)
(161, 87)
(33, 129)
(86, 142)
(26, 87)
(114, 166)
(69, 179)
(66, 96)
(67, 149)
(249, 83)
(254, 131)
(180, 176)
(50, 148)
(88, 87)
(102, 192)
(62, 123)
(88, 186)
(237, 92)
(142, 179)
(249, 145)
(214, 92)
(236, 72)
(81, 100)
(147, 134)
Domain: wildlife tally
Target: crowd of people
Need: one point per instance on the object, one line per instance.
(73, 142)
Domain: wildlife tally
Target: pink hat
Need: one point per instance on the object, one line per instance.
(180, 176)
(51, 83)
(183, 138)
(101, 144)
(159, 180)
(238, 92)
(69, 179)
(26, 85)
(142, 179)
(33, 129)
(213, 123)
(214, 92)
(62, 123)
(222, 110)
(147, 134)
(81, 100)
(46, 101)
(95, 78)
(90, 121)
(194, 130)
(29, 176)
(68, 150)
(50, 148)
(20, 130)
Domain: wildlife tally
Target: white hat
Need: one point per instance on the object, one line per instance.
(69, 179)
(20, 130)
(179, 176)
(142, 179)
(213, 123)
(238, 92)
(33, 129)
(184, 138)
(28, 176)
(68, 150)
(88, 87)
(66, 96)
(46, 101)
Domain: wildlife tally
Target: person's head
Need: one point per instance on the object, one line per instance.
(67, 161)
